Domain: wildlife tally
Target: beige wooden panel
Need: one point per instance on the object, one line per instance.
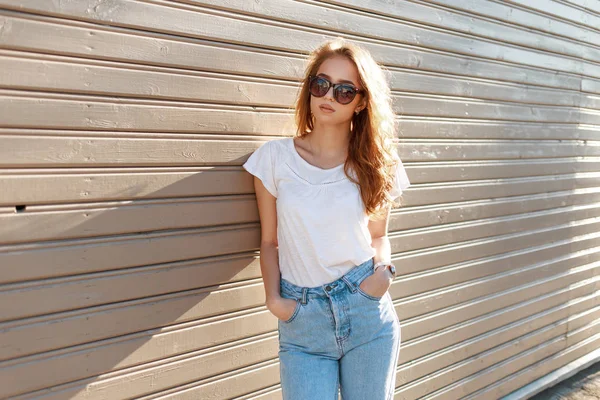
(114, 218)
(230, 385)
(431, 322)
(407, 286)
(138, 183)
(520, 16)
(571, 314)
(588, 334)
(442, 17)
(454, 373)
(97, 42)
(74, 112)
(426, 127)
(208, 23)
(103, 42)
(119, 79)
(414, 217)
(589, 85)
(416, 348)
(560, 10)
(66, 74)
(422, 293)
(536, 370)
(90, 255)
(176, 371)
(470, 250)
(97, 358)
(432, 172)
(156, 310)
(551, 361)
(441, 193)
(463, 231)
(590, 5)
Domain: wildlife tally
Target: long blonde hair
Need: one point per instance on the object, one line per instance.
(371, 152)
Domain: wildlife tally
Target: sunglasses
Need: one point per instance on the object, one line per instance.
(343, 93)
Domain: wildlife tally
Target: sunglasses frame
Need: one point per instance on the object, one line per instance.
(336, 86)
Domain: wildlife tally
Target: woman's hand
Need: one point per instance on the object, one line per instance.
(282, 308)
(378, 283)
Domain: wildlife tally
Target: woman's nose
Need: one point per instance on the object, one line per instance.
(327, 94)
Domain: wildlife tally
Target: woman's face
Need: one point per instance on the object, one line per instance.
(337, 69)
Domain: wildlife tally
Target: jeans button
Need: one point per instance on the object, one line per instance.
(328, 288)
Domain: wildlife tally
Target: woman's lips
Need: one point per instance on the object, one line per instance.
(326, 109)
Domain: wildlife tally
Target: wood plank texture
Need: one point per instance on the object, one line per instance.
(129, 231)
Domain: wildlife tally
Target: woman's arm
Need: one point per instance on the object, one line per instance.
(379, 239)
(269, 253)
(280, 307)
(381, 244)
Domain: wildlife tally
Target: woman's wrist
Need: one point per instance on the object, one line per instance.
(387, 265)
(272, 299)
(380, 263)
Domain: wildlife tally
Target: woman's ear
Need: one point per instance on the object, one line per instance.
(362, 104)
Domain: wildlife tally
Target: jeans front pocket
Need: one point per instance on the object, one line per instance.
(365, 294)
(294, 314)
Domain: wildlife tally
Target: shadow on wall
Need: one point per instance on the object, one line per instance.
(114, 285)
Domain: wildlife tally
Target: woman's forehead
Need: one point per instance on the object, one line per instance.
(339, 70)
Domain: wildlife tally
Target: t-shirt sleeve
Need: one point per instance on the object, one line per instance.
(401, 181)
(261, 164)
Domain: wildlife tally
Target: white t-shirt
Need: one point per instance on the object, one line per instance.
(322, 226)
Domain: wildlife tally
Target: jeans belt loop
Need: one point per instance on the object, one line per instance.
(351, 285)
(304, 295)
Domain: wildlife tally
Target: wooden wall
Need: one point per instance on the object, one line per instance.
(129, 231)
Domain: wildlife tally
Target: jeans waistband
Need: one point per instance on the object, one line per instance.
(351, 279)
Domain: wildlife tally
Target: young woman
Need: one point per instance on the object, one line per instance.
(324, 198)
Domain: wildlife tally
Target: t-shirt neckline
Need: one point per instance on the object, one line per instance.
(302, 160)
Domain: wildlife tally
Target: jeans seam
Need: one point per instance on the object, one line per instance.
(337, 385)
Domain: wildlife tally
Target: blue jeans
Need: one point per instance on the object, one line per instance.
(339, 337)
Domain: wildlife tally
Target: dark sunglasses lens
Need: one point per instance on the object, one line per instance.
(318, 87)
(345, 94)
